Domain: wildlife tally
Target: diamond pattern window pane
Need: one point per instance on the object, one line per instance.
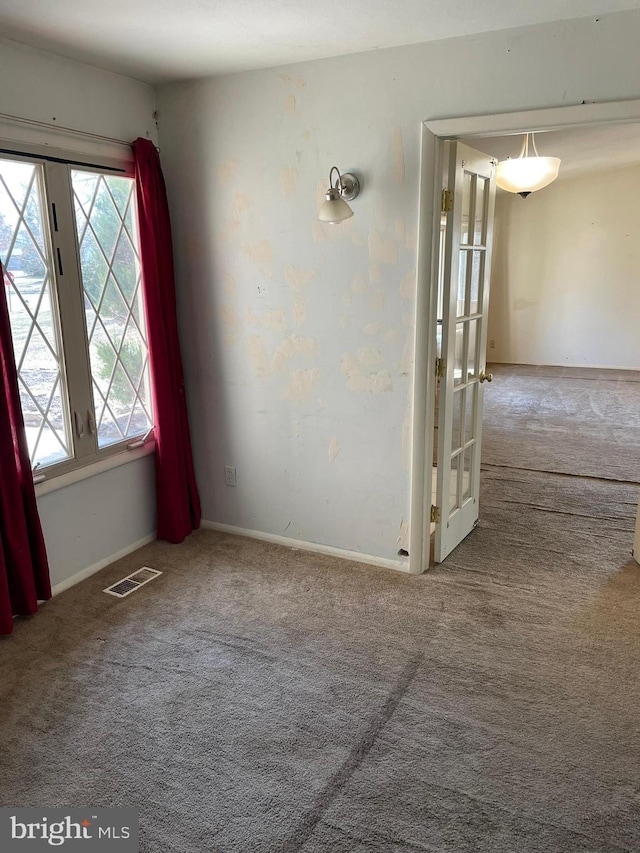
(35, 324)
(110, 266)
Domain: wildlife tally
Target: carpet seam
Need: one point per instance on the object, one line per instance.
(357, 754)
(592, 477)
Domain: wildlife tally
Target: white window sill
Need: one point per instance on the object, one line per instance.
(100, 467)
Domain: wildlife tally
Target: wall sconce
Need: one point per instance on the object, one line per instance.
(526, 174)
(335, 208)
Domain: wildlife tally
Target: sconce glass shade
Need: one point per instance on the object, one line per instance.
(526, 174)
(335, 208)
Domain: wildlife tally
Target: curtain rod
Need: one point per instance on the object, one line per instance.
(60, 160)
(58, 127)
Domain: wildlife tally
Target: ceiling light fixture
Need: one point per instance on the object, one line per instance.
(335, 208)
(526, 174)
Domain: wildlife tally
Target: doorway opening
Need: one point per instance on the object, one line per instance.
(491, 132)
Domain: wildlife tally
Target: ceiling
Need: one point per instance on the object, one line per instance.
(581, 149)
(161, 40)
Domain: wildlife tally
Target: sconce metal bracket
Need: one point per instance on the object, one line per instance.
(350, 186)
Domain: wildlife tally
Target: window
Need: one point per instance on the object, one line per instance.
(69, 247)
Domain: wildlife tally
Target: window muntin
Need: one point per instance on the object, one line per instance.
(25, 251)
(110, 266)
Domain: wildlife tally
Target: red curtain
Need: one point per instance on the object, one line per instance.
(24, 571)
(177, 494)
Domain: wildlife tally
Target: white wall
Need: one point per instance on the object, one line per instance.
(307, 391)
(565, 285)
(86, 522)
(46, 87)
(99, 518)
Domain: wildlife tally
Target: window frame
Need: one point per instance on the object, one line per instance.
(67, 296)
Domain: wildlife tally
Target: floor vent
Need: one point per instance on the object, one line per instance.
(132, 582)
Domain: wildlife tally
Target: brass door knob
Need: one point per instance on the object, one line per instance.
(486, 377)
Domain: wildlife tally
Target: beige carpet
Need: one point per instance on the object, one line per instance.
(256, 699)
(571, 420)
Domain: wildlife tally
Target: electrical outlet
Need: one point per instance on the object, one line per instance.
(261, 291)
(492, 344)
(230, 476)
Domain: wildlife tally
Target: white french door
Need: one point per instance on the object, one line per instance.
(465, 303)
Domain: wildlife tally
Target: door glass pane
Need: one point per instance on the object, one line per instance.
(470, 410)
(441, 252)
(458, 366)
(479, 230)
(110, 266)
(453, 482)
(472, 360)
(33, 312)
(463, 284)
(466, 473)
(467, 180)
(458, 423)
(476, 275)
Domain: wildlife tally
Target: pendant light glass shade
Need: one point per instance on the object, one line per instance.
(526, 174)
(334, 208)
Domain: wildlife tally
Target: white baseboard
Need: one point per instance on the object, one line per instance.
(101, 564)
(302, 545)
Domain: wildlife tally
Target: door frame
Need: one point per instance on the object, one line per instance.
(434, 135)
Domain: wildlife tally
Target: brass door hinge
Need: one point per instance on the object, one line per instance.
(441, 368)
(435, 516)
(446, 202)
